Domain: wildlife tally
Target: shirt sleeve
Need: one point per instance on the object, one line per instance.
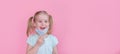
(55, 41)
(31, 40)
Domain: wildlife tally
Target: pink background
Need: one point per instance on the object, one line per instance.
(82, 26)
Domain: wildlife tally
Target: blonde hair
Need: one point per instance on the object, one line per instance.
(32, 20)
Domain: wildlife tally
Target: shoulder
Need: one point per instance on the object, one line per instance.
(32, 37)
(31, 40)
(53, 36)
(54, 40)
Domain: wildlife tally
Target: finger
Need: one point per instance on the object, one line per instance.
(40, 37)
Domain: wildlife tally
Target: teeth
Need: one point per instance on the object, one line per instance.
(42, 27)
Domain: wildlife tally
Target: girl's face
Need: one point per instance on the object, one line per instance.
(42, 21)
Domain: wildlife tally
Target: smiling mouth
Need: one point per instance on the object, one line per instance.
(42, 28)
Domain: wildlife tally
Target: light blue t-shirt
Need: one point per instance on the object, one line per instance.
(47, 46)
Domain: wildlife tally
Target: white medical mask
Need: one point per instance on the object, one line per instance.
(42, 32)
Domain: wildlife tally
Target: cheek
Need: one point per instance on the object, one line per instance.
(38, 24)
(47, 24)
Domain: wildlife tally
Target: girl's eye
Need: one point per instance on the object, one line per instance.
(46, 21)
(40, 21)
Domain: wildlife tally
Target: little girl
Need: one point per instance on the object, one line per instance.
(40, 40)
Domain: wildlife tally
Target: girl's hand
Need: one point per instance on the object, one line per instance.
(40, 40)
(33, 50)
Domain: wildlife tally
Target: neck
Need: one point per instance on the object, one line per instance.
(45, 35)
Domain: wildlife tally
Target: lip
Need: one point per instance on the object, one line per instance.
(42, 28)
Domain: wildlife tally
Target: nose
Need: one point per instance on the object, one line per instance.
(43, 24)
